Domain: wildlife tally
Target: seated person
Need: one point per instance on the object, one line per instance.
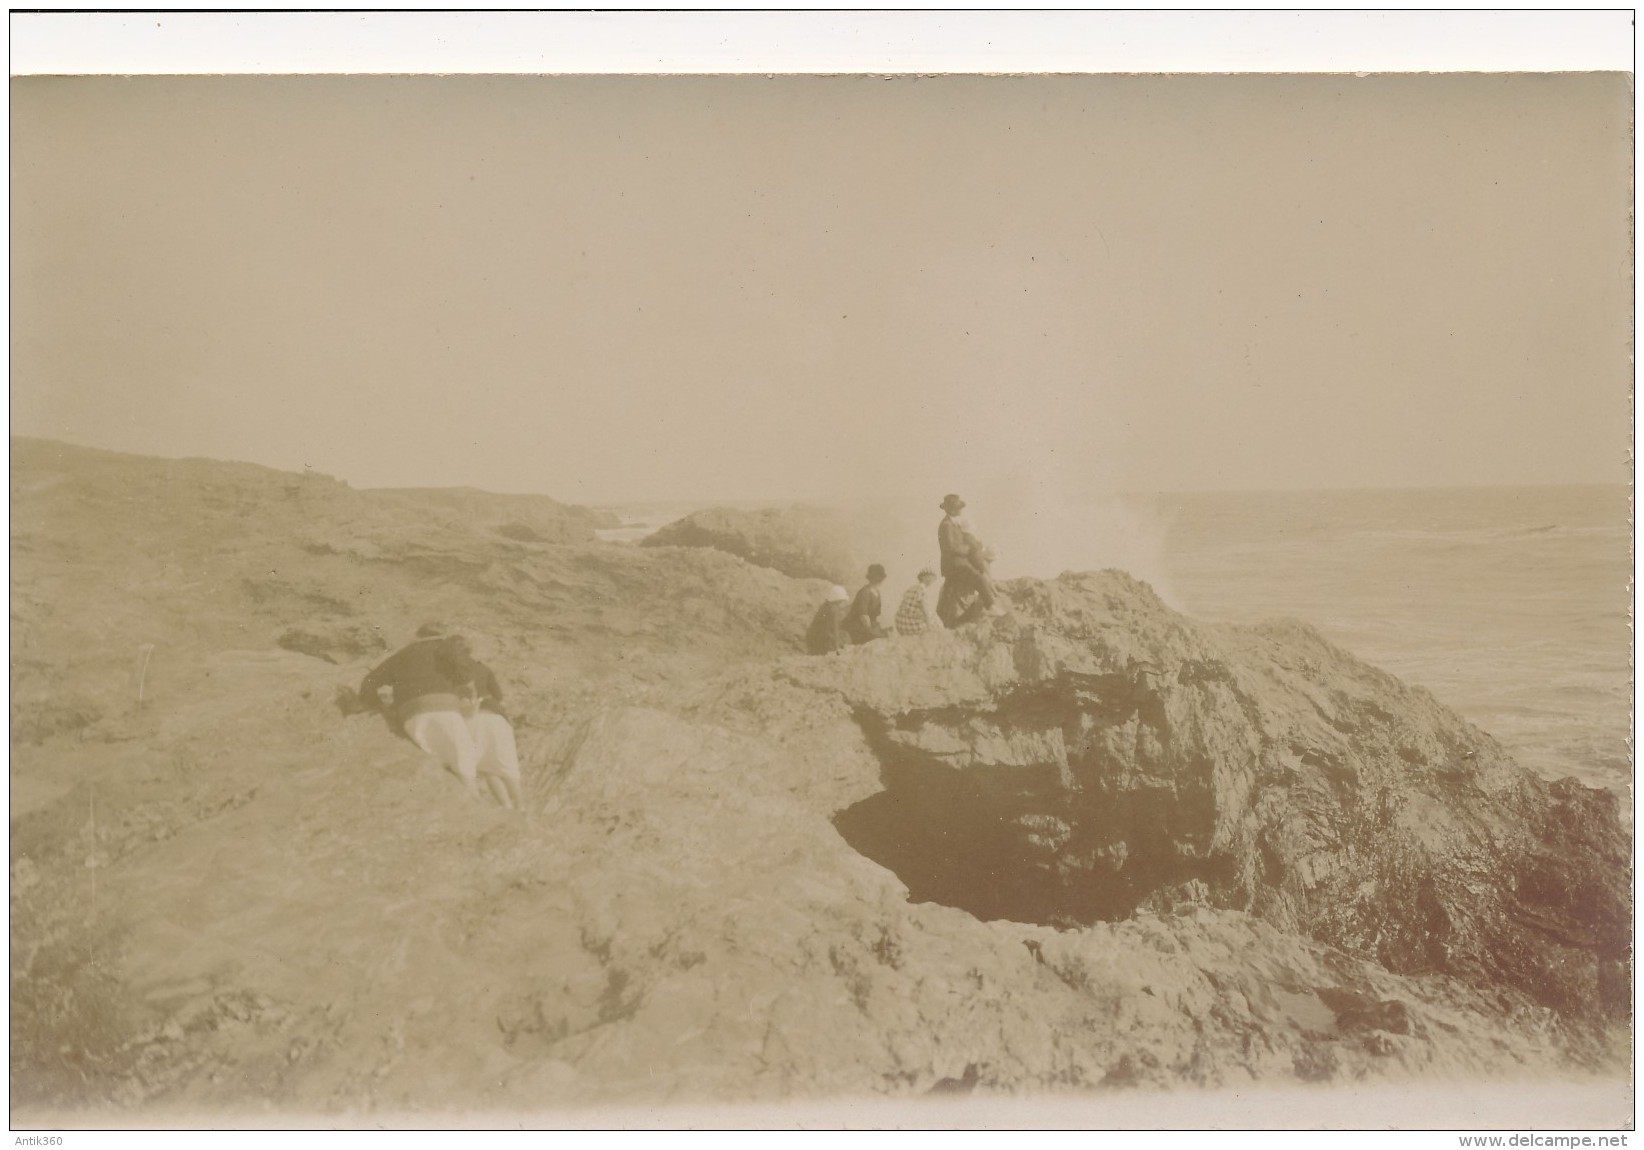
(913, 615)
(826, 635)
(862, 620)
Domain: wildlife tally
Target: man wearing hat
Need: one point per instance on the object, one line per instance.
(964, 568)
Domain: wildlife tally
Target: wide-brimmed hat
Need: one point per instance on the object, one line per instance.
(952, 503)
(837, 594)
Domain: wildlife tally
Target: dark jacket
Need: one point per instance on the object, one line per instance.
(954, 543)
(429, 675)
(825, 635)
(862, 620)
(486, 687)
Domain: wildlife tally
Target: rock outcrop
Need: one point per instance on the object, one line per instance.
(527, 518)
(804, 542)
(1095, 754)
(1089, 846)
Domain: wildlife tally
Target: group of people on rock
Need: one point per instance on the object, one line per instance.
(967, 593)
(434, 693)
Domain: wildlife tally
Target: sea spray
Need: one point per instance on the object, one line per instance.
(1031, 531)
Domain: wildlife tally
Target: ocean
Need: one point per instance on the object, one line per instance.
(1511, 605)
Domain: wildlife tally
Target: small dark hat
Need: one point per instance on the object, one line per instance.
(876, 573)
(952, 503)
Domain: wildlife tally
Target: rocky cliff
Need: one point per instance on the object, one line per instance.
(1096, 754)
(1089, 846)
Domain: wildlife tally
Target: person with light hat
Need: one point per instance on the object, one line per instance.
(913, 615)
(826, 634)
(964, 568)
(862, 620)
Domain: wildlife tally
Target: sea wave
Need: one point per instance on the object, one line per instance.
(1512, 606)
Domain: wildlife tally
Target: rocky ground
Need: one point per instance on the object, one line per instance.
(1082, 852)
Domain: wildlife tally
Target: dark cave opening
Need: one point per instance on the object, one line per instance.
(947, 836)
(1038, 843)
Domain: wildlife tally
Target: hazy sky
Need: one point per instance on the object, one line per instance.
(617, 288)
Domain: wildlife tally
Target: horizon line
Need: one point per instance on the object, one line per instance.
(706, 501)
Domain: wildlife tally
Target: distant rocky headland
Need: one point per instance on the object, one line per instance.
(1090, 845)
(802, 541)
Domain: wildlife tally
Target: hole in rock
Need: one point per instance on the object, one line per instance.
(1052, 843)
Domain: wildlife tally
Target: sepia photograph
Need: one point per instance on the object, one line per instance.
(848, 598)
